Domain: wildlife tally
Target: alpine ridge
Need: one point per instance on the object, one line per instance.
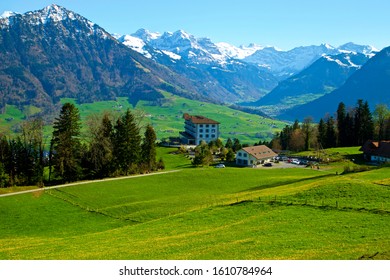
(54, 53)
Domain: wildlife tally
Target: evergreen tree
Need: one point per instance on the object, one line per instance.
(127, 144)
(307, 130)
(31, 140)
(100, 151)
(341, 126)
(229, 144)
(66, 143)
(149, 149)
(350, 135)
(5, 158)
(364, 125)
(236, 145)
(330, 141)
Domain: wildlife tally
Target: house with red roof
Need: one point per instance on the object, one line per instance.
(255, 155)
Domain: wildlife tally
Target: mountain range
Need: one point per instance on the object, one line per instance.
(53, 53)
(371, 82)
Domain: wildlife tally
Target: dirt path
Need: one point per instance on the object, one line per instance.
(87, 182)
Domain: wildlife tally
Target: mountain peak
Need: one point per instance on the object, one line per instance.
(146, 35)
(8, 14)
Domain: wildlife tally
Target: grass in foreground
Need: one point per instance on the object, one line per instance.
(204, 214)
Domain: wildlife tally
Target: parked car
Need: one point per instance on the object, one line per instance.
(220, 165)
(295, 161)
(267, 164)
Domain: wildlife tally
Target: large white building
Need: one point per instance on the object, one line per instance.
(198, 129)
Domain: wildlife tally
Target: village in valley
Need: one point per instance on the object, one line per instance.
(202, 131)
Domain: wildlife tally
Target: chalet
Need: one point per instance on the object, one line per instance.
(251, 156)
(376, 151)
(198, 129)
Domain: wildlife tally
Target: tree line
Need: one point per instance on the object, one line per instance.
(350, 127)
(111, 147)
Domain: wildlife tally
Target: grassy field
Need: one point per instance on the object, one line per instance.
(204, 213)
(167, 118)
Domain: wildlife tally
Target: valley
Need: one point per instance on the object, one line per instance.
(336, 207)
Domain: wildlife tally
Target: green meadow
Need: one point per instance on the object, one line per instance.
(204, 213)
(166, 117)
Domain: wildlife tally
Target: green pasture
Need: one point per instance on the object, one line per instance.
(166, 118)
(204, 213)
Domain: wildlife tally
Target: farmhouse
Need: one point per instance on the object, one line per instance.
(198, 129)
(255, 155)
(376, 151)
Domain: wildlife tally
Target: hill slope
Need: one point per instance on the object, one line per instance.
(371, 83)
(323, 76)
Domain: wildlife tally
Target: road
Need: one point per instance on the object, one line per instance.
(87, 182)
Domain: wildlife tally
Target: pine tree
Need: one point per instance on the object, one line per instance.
(330, 141)
(66, 143)
(341, 126)
(100, 150)
(307, 131)
(236, 145)
(149, 149)
(364, 125)
(229, 144)
(127, 144)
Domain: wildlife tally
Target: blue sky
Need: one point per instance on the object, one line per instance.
(281, 23)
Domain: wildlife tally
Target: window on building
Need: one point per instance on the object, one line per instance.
(207, 136)
(213, 130)
(207, 130)
(213, 136)
(207, 125)
(239, 154)
(200, 130)
(201, 125)
(245, 155)
(201, 135)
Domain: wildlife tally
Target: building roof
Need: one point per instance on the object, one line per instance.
(199, 119)
(376, 148)
(260, 152)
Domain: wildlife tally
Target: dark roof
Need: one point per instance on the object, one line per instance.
(260, 152)
(199, 119)
(376, 148)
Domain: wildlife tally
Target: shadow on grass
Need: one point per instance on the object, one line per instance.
(284, 183)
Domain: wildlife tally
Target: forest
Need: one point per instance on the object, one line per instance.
(112, 147)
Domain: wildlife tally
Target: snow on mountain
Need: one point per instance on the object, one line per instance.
(7, 14)
(146, 35)
(288, 63)
(241, 52)
(135, 43)
(364, 49)
(54, 14)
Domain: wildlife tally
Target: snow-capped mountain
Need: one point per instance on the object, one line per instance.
(320, 78)
(371, 83)
(184, 45)
(52, 14)
(287, 63)
(241, 52)
(55, 53)
(282, 64)
(201, 60)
